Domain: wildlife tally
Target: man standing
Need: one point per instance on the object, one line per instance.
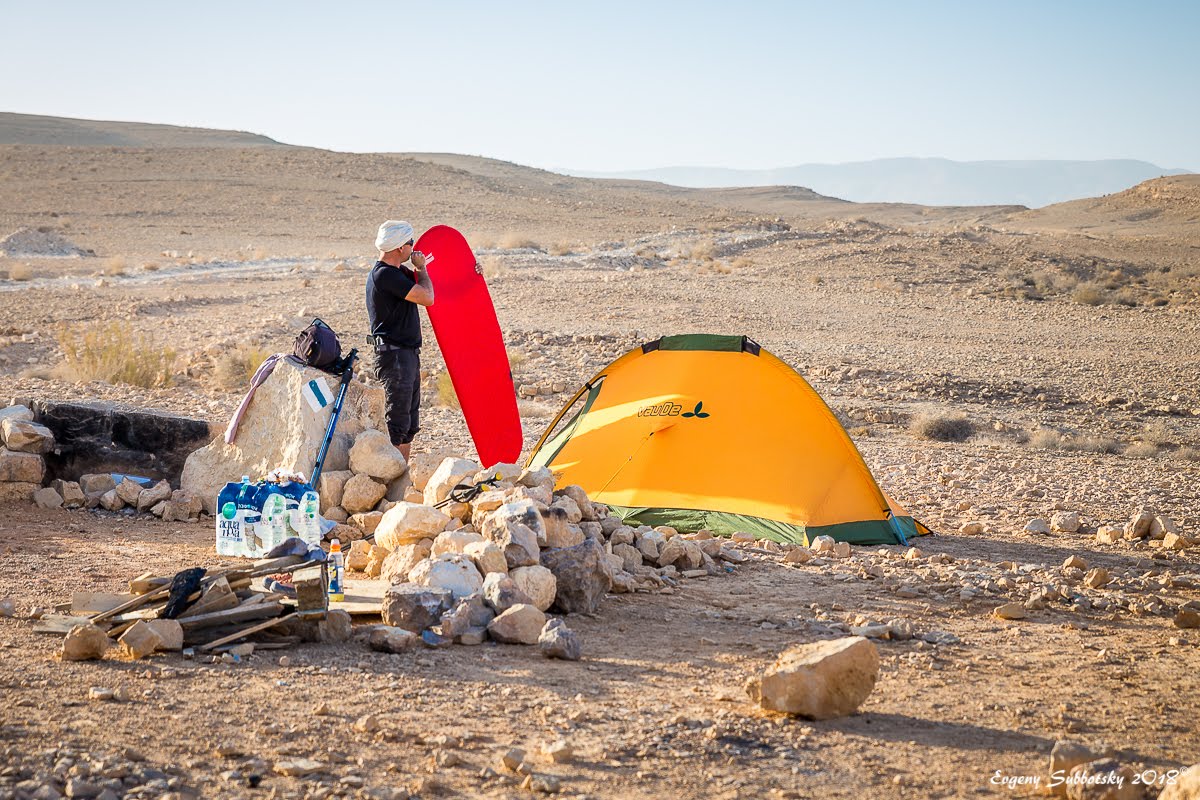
(393, 294)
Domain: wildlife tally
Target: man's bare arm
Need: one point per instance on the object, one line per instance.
(422, 293)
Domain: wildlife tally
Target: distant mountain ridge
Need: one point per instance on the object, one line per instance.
(31, 129)
(925, 181)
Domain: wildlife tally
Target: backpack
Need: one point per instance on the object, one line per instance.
(318, 346)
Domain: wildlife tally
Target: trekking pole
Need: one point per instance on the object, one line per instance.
(347, 374)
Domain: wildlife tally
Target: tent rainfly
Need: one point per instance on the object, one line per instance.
(704, 431)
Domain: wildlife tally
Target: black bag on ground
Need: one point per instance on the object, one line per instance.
(318, 346)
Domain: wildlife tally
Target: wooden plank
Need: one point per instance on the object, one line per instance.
(147, 582)
(268, 566)
(60, 624)
(262, 626)
(94, 602)
(257, 611)
(363, 597)
(136, 602)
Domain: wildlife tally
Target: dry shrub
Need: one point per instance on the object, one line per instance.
(1126, 297)
(114, 353)
(515, 241)
(493, 267)
(516, 359)
(942, 427)
(816, 280)
(1142, 450)
(1158, 433)
(1188, 453)
(445, 391)
(235, 367)
(1045, 439)
(151, 266)
(531, 409)
(703, 251)
(20, 272)
(561, 249)
(1089, 294)
(741, 262)
(115, 265)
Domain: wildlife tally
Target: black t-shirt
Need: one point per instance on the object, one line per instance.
(393, 317)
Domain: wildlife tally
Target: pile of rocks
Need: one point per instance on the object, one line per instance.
(1145, 529)
(22, 462)
(23, 470)
(491, 565)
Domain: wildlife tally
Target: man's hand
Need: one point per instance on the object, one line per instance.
(478, 268)
(417, 259)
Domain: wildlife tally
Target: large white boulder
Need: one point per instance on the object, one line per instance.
(405, 523)
(538, 583)
(451, 571)
(280, 429)
(822, 680)
(449, 473)
(374, 454)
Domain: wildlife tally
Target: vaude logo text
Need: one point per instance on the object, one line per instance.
(669, 409)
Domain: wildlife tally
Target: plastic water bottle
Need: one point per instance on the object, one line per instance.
(337, 572)
(274, 526)
(250, 512)
(309, 526)
(230, 539)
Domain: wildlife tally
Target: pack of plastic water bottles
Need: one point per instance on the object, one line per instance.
(254, 518)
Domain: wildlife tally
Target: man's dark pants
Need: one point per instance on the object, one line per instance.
(399, 370)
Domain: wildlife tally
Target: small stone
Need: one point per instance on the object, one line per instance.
(520, 624)
(513, 758)
(971, 528)
(1065, 521)
(386, 639)
(1037, 526)
(47, 498)
(368, 723)
(298, 767)
(1075, 562)
(559, 752)
(558, 641)
(1011, 611)
(822, 680)
(84, 642)
(913, 554)
(1108, 534)
(1096, 578)
(1187, 618)
(101, 693)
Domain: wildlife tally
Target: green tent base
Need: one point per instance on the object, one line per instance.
(725, 524)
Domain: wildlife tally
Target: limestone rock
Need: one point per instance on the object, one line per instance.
(405, 523)
(570, 508)
(1108, 534)
(1011, 611)
(280, 429)
(47, 498)
(70, 492)
(537, 477)
(129, 491)
(358, 555)
(84, 643)
(1096, 578)
(399, 488)
(169, 632)
(401, 561)
(823, 680)
(97, 483)
(1065, 521)
(139, 641)
(330, 487)
(582, 574)
(21, 467)
(16, 412)
(1139, 524)
(1067, 755)
(538, 583)
(336, 627)
(631, 557)
(1037, 526)
(454, 541)
(111, 501)
(361, 493)
(17, 492)
(182, 506)
(514, 528)
(579, 497)
(152, 496)
(558, 641)
(558, 530)
(520, 624)
(1106, 779)
(368, 521)
(421, 466)
(386, 639)
(448, 474)
(374, 454)
(25, 436)
(502, 593)
(451, 571)
(414, 607)
(683, 554)
(488, 557)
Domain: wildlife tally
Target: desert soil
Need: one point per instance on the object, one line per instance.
(894, 313)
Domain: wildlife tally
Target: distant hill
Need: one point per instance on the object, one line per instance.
(926, 181)
(30, 129)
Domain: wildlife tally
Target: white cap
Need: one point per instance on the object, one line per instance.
(393, 234)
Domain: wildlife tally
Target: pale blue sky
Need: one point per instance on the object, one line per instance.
(630, 85)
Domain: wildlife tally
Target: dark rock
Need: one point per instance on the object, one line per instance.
(583, 576)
